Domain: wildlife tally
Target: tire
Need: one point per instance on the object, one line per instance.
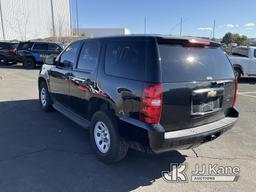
(3, 61)
(116, 148)
(29, 63)
(44, 98)
(238, 73)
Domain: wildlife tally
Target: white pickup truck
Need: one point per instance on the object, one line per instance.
(243, 60)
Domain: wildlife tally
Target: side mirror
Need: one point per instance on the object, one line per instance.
(50, 60)
(59, 50)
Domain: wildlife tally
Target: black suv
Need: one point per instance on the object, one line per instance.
(150, 93)
(8, 53)
(32, 54)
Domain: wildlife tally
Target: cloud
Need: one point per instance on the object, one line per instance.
(230, 25)
(250, 25)
(248, 28)
(204, 28)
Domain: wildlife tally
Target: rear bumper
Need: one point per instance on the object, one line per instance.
(190, 138)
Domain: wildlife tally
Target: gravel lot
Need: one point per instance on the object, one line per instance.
(47, 152)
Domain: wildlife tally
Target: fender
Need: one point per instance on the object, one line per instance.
(43, 75)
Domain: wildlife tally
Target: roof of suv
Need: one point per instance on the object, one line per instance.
(160, 37)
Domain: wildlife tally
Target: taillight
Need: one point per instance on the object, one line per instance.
(151, 104)
(196, 42)
(235, 95)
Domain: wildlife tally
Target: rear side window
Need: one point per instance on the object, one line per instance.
(180, 64)
(25, 46)
(5, 46)
(53, 47)
(41, 46)
(89, 55)
(126, 59)
(255, 53)
(240, 51)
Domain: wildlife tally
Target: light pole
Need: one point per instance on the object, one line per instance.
(70, 18)
(53, 24)
(2, 22)
(213, 35)
(145, 25)
(181, 23)
(77, 19)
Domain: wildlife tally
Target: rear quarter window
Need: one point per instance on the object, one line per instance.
(5, 46)
(240, 51)
(126, 59)
(25, 46)
(181, 64)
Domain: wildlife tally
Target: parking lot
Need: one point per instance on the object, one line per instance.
(47, 152)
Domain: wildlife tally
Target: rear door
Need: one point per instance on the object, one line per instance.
(40, 51)
(198, 83)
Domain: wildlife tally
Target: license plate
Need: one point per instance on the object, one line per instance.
(205, 107)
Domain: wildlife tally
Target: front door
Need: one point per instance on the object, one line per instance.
(59, 75)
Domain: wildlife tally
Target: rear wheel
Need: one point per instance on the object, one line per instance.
(3, 61)
(29, 63)
(44, 97)
(105, 138)
(238, 73)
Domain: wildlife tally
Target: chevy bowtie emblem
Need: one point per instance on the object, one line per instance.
(212, 93)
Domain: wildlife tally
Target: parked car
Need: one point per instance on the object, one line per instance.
(244, 61)
(7, 53)
(150, 93)
(32, 54)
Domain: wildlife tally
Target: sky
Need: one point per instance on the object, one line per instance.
(163, 16)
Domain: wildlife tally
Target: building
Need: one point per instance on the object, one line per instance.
(100, 32)
(34, 19)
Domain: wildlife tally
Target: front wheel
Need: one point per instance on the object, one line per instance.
(29, 63)
(44, 97)
(105, 138)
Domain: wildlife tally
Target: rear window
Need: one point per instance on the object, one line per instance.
(5, 46)
(126, 59)
(181, 64)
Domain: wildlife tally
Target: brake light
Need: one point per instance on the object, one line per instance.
(196, 42)
(151, 104)
(235, 95)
